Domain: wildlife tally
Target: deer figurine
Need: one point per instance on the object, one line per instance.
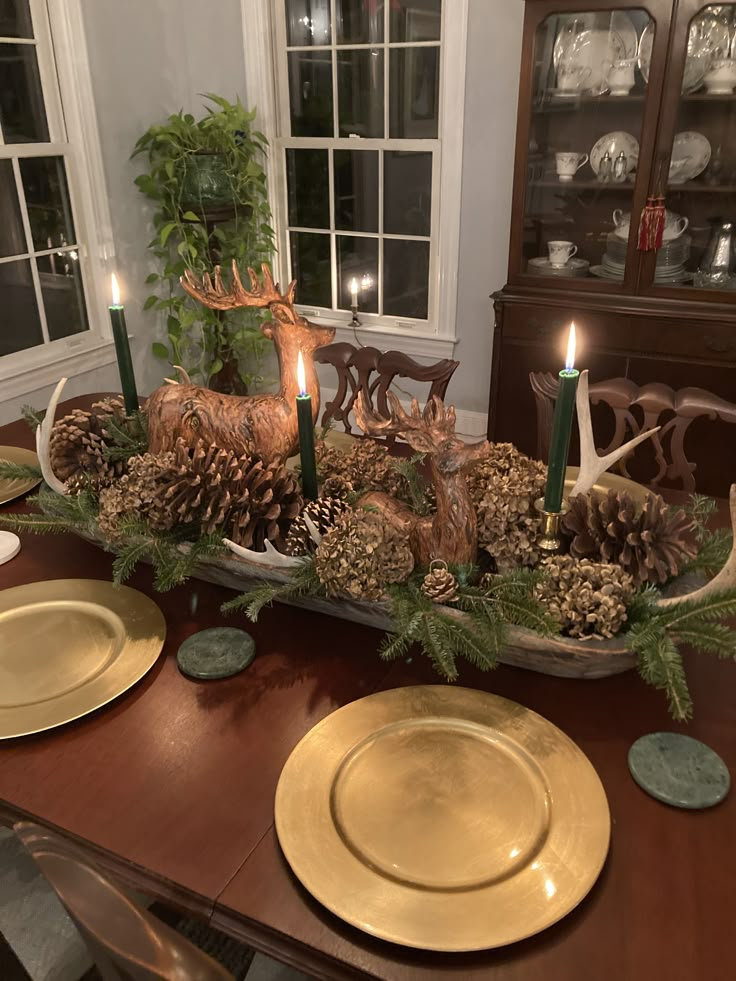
(452, 533)
(262, 424)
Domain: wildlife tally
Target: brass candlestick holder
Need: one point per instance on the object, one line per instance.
(549, 541)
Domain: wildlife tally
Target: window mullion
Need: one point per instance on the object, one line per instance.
(29, 245)
(335, 111)
(333, 236)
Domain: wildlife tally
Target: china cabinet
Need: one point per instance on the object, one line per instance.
(620, 109)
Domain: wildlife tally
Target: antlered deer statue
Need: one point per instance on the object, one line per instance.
(452, 533)
(263, 424)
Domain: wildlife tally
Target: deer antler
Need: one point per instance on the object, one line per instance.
(592, 465)
(218, 297)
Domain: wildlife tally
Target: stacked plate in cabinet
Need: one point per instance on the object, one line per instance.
(671, 260)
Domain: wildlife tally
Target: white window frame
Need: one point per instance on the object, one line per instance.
(58, 28)
(267, 89)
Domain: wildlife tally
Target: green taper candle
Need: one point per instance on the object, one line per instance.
(122, 350)
(306, 435)
(561, 429)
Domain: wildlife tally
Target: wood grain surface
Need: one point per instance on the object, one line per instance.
(171, 788)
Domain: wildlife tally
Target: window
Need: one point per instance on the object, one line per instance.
(48, 303)
(359, 135)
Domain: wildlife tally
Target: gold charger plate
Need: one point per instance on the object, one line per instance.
(442, 818)
(69, 646)
(10, 489)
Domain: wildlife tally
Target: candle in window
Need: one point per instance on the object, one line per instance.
(561, 429)
(306, 434)
(122, 350)
(354, 290)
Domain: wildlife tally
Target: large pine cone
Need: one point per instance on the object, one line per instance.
(650, 544)
(503, 488)
(588, 599)
(240, 497)
(361, 556)
(324, 513)
(248, 500)
(78, 444)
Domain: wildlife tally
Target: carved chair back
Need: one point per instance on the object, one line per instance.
(127, 942)
(635, 409)
(372, 372)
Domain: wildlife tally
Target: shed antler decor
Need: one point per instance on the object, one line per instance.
(263, 424)
(452, 534)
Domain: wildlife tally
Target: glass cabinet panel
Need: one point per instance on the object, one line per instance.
(699, 247)
(588, 97)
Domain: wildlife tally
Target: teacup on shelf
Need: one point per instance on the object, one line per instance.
(674, 225)
(560, 253)
(568, 164)
(721, 77)
(621, 77)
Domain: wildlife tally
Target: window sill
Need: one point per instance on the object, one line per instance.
(27, 371)
(411, 342)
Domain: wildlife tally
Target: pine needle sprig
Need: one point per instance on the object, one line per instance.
(660, 665)
(18, 471)
(417, 485)
(303, 582)
(32, 417)
(126, 437)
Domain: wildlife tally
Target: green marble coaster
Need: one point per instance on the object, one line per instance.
(679, 770)
(219, 652)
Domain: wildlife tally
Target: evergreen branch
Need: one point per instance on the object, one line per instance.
(127, 437)
(128, 558)
(303, 582)
(700, 509)
(692, 613)
(660, 665)
(18, 471)
(710, 638)
(416, 483)
(32, 416)
(714, 547)
(37, 524)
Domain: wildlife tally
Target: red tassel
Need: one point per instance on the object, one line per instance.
(651, 226)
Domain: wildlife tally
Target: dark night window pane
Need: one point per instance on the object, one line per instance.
(308, 180)
(15, 19)
(415, 20)
(310, 93)
(357, 258)
(407, 202)
(356, 190)
(22, 112)
(311, 268)
(12, 236)
(360, 93)
(47, 199)
(406, 279)
(20, 324)
(414, 88)
(359, 22)
(63, 294)
(308, 22)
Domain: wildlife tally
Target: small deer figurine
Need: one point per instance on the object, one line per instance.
(263, 424)
(452, 534)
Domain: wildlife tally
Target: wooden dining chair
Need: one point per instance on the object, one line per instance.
(126, 942)
(635, 409)
(372, 372)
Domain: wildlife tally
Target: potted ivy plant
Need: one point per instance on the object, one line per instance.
(206, 179)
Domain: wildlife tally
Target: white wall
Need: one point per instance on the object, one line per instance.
(491, 93)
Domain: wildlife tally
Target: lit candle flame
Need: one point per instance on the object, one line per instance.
(300, 375)
(115, 291)
(354, 287)
(570, 359)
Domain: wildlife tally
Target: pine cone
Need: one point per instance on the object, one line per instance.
(588, 599)
(366, 467)
(440, 585)
(214, 490)
(78, 444)
(649, 544)
(504, 487)
(325, 513)
(361, 555)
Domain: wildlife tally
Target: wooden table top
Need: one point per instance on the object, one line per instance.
(171, 787)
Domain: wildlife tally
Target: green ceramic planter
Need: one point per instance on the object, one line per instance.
(206, 182)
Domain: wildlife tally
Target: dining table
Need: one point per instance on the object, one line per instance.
(170, 790)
